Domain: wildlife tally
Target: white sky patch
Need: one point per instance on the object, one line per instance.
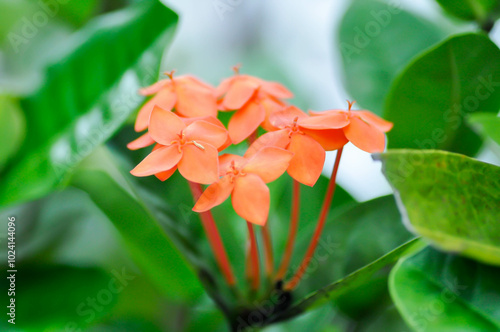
(358, 173)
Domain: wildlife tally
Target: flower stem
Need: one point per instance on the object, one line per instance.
(254, 272)
(319, 227)
(294, 223)
(268, 250)
(214, 238)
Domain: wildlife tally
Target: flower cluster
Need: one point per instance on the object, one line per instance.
(181, 121)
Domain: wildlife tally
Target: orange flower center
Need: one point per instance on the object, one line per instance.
(234, 171)
(170, 74)
(182, 141)
(236, 68)
(293, 128)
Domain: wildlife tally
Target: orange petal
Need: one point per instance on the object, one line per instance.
(162, 176)
(214, 195)
(251, 198)
(271, 105)
(159, 160)
(308, 161)
(194, 81)
(224, 86)
(330, 139)
(287, 116)
(210, 119)
(199, 165)
(365, 136)
(276, 89)
(193, 101)
(245, 121)
(204, 131)
(240, 93)
(279, 138)
(214, 121)
(269, 163)
(154, 88)
(141, 142)
(165, 126)
(374, 120)
(165, 99)
(327, 112)
(327, 121)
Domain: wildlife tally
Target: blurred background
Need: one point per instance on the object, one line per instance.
(71, 250)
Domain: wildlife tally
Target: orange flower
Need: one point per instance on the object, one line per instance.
(191, 148)
(307, 137)
(245, 180)
(254, 99)
(146, 139)
(189, 96)
(363, 128)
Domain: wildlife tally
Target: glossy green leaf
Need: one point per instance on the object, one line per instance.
(487, 124)
(477, 10)
(351, 281)
(449, 199)
(428, 101)
(376, 41)
(56, 297)
(141, 231)
(438, 292)
(82, 103)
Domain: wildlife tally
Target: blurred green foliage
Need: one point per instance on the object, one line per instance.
(376, 41)
(100, 251)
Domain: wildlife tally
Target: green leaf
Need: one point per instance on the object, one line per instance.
(56, 297)
(428, 101)
(477, 10)
(438, 292)
(450, 199)
(87, 96)
(377, 40)
(487, 124)
(12, 128)
(74, 12)
(350, 282)
(143, 236)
